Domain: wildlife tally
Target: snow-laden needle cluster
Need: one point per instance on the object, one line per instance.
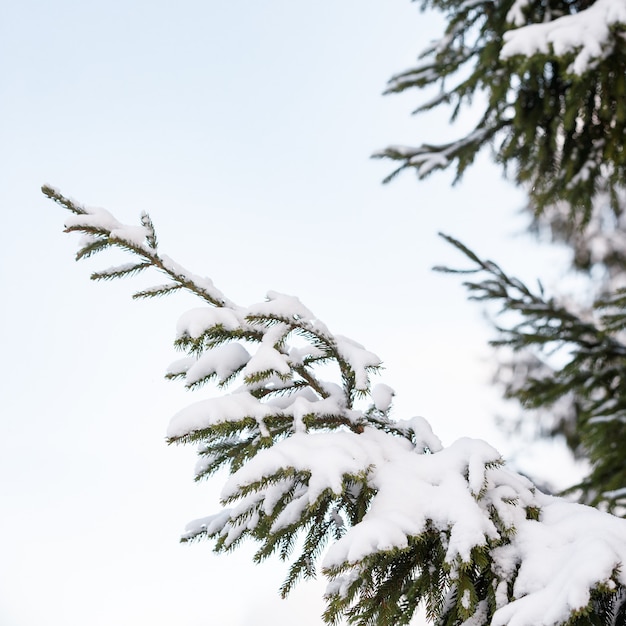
(550, 76)
(321, 474)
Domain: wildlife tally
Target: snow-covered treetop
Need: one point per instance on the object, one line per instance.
(553, 75)
(393, 518)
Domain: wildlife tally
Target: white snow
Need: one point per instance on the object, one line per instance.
(516, 13)
(180, 366)
(101, 219)
(413, 489)
(195, 322)
(228, 408)
(289, 308)
(425, 438)
(210, 524)
(382, 396)
(466, 600)
(588, 33)
(327, 456)
(267, 358)
(561, 557)
(359, 359)
(222, 361)
(94, 217)
(133, 234)
(201, 282)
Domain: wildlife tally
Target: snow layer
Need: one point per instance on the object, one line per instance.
(282, 306)
(561, 557)
(268, 359)
(222, 361)
(414, 489)
(100, 219)
(229, 408)
(195, 322)
(588, 33)
(382, 395)
(359, 358)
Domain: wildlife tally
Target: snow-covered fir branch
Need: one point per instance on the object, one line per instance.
(391, 517)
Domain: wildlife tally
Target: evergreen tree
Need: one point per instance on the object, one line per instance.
(552, 76)
(322, 475)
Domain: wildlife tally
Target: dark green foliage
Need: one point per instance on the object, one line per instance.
(588, 356)
(560, 128)
(386, 589)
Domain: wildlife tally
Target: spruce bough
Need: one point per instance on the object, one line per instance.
(316, 461)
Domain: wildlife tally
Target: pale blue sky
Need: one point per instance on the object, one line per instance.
(245, 129)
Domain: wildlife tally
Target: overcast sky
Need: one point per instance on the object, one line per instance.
(245, 129)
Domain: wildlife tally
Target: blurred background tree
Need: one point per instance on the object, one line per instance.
(548, 78)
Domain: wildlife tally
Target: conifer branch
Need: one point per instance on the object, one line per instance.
(553, 92)
(428, 158)
(121, 271)
(157, 291)
(590, 370)
(109, 232)
(391, 516)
